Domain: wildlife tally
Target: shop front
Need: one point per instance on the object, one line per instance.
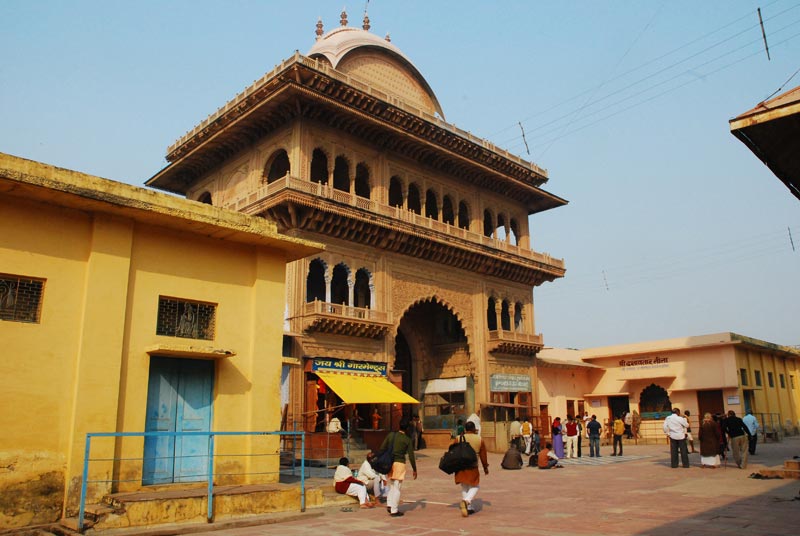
(352, 398)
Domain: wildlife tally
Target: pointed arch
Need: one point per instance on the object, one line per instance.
(491, 314)
(340, 288)
(395, 192)
(205, 197)
(463, 215)
(505, 316)
(278, 166)
(488, 223)
(518, 316)
(319, 166)
(414, 203)
(341, 174)
(514, 231)
(362, 294)
(362, 180)
(431, 205)
(448, 215)
(315, 281)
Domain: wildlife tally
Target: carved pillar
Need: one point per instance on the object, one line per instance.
(372, 295)
(351, 285)
(328, 279)
(498, 313)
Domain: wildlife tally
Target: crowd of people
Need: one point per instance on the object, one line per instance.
(716, 435)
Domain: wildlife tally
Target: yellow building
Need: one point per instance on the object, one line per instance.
(123, 310)
(708, 373)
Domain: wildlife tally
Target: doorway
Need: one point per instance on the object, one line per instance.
(710, 402)
(179, 399)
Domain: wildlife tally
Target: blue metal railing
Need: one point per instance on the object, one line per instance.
(209, 476)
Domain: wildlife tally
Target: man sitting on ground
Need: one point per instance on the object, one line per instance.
(370, 477)
(547, 458)
(345, 483)
(512, 458)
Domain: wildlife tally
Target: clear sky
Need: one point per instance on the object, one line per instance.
(673, 228)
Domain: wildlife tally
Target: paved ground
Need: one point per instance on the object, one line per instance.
(634, 494)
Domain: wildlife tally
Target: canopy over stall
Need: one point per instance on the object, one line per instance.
(365, 389)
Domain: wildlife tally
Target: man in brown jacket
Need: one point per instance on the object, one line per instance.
(470, 478)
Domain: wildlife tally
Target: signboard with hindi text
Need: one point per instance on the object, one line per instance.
(344, 365)
(510, 383)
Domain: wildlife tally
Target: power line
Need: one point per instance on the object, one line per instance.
(591, 102)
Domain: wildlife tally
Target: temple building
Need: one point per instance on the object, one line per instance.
(425, 289)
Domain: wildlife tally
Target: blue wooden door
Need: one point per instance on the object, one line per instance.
(179, 399)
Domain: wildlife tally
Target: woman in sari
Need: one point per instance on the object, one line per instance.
(558, 443)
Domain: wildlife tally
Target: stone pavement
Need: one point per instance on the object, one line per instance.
(633, 494)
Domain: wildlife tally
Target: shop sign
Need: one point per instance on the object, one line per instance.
(645, 363)
(733, 400)
(343, 365)
(510, 383)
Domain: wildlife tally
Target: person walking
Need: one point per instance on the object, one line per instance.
(401, 447)
(470, 478)
(619, 429)
(708, 435)
(526, 430)
(751, 422)
(675, 427)
(628, 420)
(689, 437)
(594, 428)
(738, 435)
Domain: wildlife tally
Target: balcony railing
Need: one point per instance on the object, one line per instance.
(345, 311)
(289, 183)
(517, 337)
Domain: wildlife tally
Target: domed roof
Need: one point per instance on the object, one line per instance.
(348, 42)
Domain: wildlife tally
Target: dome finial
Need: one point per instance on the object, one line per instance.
(343, 18)
(319, 31)
(388, 37)
(366, 25)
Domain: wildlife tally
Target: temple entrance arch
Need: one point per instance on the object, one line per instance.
(432, 357)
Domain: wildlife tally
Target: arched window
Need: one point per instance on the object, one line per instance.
(395, 192)
(205, 197)
(488, 223)
(491, 315)
(361, 294)
(654, 399)
(319, 166)
(431, 205)
(414, 204)
(278, 166)
(340, 292)
(505, 316)
(463, 215)
(315, 281)
(514, 226)
(500, 231)
(448, 216)
(341, 174)
(362, 181)
(518, 317)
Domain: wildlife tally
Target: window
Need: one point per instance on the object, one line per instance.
(782, 380)
(20, 298)
(743, 374)
(770, 379)
(444, 404)
(791, 381)
(757, 375)
(186, 319)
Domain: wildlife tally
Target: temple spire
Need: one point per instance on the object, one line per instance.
(319, 31)
(343, 18)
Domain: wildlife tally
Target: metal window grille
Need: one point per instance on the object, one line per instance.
(20, 298)
(186, 319)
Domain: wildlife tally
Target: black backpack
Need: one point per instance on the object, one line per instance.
(459, 456)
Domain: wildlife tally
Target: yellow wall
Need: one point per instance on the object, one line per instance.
(85, 366)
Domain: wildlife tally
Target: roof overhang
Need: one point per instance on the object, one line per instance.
(771, 131)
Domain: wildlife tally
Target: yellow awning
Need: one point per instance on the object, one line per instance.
(355, 389)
